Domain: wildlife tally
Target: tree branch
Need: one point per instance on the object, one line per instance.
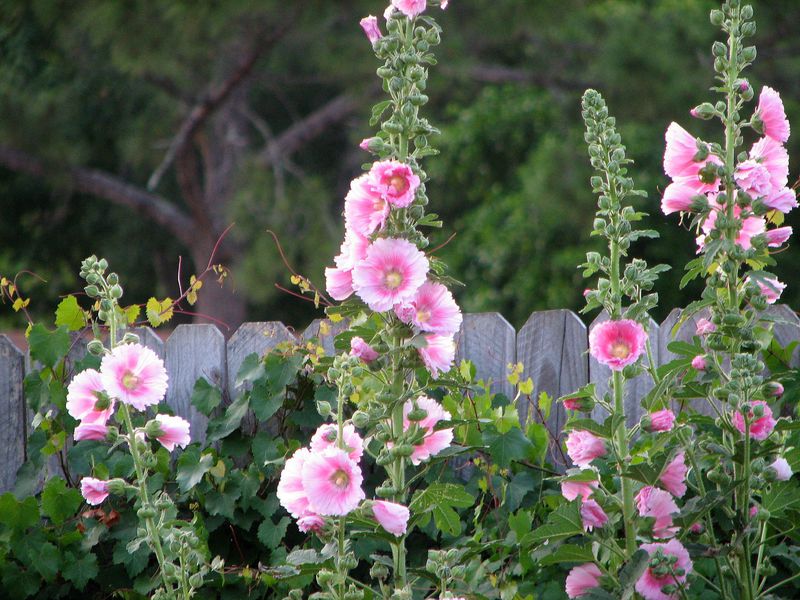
(305, 130)
(108, 187)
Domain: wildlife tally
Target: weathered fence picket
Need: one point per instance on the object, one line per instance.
(552, 346)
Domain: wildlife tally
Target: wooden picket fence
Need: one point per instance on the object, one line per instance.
(552, 346)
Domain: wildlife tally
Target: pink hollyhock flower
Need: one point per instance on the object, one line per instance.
(650, 583)
(783, 471)
(753, 511)
(617, 344)
(751, 226)
(592, 515)
(134, 375)
(364, 144)
(410, 8)
(775, 389)
(782, 200)
(291, 493)
(774, 158)
(680, 152)
(578, 489)
(439, 354)
(90, 431)
(697, 528)
(679, 195)
(662, 420)
(444, 4)
(339, 279)
(433, 309)
(339, 282)
(778, 236)
(773, 117)
(310, 522)
(332, 481)
(659, 505)
(583, 447)
(704, 327)
(83, 394)
(699, 362)
(753, 178)
(325, 437)
(581, 579)
(673, 478)
(392, 272)
(175, 432)
(772, 289)
(435, 440)
(94, 491)
(760, 427)
(392, 517)
(361, 349)
(573, 404)
(365, 211)
(394, 181)
(370, 26)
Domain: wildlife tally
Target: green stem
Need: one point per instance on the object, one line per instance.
(628, 515)
(397, 473)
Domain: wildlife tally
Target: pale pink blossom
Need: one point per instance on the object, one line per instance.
(444, 4)
(704, 327)
(649, 584)
(583, 447)
(83, 394)
(332, 481)
(174, 432)
(392, 272)
(772, 115)
(362, 350)
(662, 420)
(775, 159)
(439, 353)
(581, 579)
(134, 375)
(659, 505)
(433, 309)
(578, 489)
(673, 477)
(782, 200)
(394, 181)
(90, 431)
(410, 8)
(325, 437)
(365, 210)
(339, 282)
(772, 289)
(679, 195)
(680, 152)
(339, 279)
(617, 344)
(699, 362)
(753, 178)
(94, 491)
(364, 144)
(392, 517)
(783, 471)
(291, 493)
(435, 440)
(370, 26)
(592, 515)
(310, 522)
(778, 236)
(760, 427)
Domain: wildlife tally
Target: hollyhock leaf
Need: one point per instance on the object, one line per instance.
(632, 571)
(568, 553)
(564, 522)
(69, 314)
(18, 516)
(48, 347)
(80, 570)
(226, 424)
(205, 397)
(252, 369)
(134, 562)
(264, 402)
(520, 523)
(132, 313)
(446, 519)
(598, 594)
(519, 487)
(540, 438)
(20, 583)
(158, 312)
(378, 110)
(781, 497)
(297, 558)
(191, 467)
(507, 447)
(58, 501)
(271, 534)
(223, 502)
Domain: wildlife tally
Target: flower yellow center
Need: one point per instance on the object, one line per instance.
(130, 381)
(340, 479)
(423, 316)
(393, 279)
(620, 349)
(399, 184)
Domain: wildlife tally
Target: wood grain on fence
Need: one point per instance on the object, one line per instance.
(552, 346)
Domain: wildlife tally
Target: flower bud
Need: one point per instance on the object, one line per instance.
(95, 347)
(747, 12)
(323, 408)
(748, 29)
(146, 512)
(91, 291)
(324, 577)
(116, 486)
(704, 111)
(196, 580)
(402, 450)
(102, 264)
(749, 52)
(719, 49)
(115, 291)
(379, 571)
(385, 491)
(417, 414)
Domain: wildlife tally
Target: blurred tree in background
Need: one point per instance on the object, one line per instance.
(141, 130)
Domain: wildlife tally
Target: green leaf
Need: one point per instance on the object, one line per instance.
(564, 522)
(264, 448)
(70, 315)
(80, 571)
(568, 553)
(191, 467)
(304, 557)
(378, 110)
(18, 583)
(507, 447)
(205, 397)
(781, 497)
(58, 501)
(520, 523)
(252, 368)
(18, 515)
(438, 499)
(225, 424)
(48, 347)
(45, 558)
(271, 534)
(632, 571)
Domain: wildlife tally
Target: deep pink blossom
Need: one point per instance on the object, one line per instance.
(174, 432)
(90, 431)
(134, 375)
(433, 309)
(673, 477)
(94, 491)
(782, 200)
(699, 362)
(679, 195)
(661, 420)
(439, 353)
(617, 344)
(778, 236)
(704, 327)
(772, 115)
(583, 447)
(325, 437)
(361, 349)
(435, 440)
(392, 517)
(592, 515)
(783, 471)
(772, 289)
(394, 181)
(650, 584)
(774, 158)
(751, 226)
(84, 393)
(392, 272)
(370, 26)
(410, 8)
(578, 489)
(659, 505)
(680, 152)
(760, 427)
(581, 579)
(365, 210)
(291, 493)
(697, 528)
(310, 522)
(332, 482)
(753, 178)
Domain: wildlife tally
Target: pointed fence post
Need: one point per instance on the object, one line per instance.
(13, 428)
(489, 342)
(325, 331)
